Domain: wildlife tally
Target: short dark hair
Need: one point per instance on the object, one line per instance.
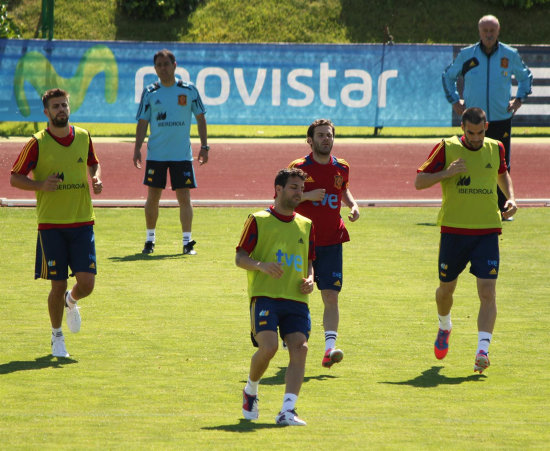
(474, 116)
(318, 123)
(164, 52)
(284, 174)
(52, 93)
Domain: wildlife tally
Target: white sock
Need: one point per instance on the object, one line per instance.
(150, 235)
(57, 332)
(289, 402)
(69, 300)
(445, 322)
(186, 237)
(251, 387)
(483, 341)
(330, 339)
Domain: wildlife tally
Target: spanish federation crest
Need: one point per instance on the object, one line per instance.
(338, 181)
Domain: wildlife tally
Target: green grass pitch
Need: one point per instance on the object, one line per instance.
(164, 349)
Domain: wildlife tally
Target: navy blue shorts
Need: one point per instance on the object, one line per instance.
(59, 249)
(327, 267)
(289, 316)
(182, 174)
(455, 251)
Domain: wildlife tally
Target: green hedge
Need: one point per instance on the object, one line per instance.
(523, 4)
(156, 9)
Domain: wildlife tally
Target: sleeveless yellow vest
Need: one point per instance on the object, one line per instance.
(71, 202)
(284, 242)
(470, 200)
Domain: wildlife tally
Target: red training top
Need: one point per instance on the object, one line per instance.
(334, 178)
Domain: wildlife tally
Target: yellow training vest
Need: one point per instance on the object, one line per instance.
(71, 202)
(284, 242)
(470, 199)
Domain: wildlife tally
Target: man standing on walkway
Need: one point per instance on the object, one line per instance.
(487, 68)
(325, 189)
(58, 157)
(469, 169)
(167, 105)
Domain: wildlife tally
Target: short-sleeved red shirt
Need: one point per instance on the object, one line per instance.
(334, 178)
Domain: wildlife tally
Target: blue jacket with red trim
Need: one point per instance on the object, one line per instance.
(488, 79)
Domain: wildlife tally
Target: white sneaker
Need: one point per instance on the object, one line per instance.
(250, 406)
(289, 418)
(58, 347)
(72, 315)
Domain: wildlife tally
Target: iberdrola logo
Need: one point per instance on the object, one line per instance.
(36, 69)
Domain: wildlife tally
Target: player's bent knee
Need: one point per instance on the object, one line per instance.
(446, 289)
(303, 348)
(487, 298)
(59, 287)
(487, 291)
(268, 350)
(330, 297)
(86, 283)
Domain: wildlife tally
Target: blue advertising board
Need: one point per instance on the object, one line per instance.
(264, 84)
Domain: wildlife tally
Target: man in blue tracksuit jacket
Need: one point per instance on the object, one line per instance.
(487, 68)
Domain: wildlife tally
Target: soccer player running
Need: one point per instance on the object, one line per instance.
(326, 188)
(469, 169)
(167, 105)
(58, 157)
(277, 249)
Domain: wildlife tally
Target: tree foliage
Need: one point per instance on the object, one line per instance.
(8, 29)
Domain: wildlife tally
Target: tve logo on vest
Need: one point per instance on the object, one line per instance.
(290, 260)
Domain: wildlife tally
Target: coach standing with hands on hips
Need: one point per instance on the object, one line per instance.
(487, 68)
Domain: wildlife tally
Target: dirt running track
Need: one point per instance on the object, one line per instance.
(245, 171)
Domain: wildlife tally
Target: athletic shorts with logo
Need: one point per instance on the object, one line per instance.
(289, 316)
(455, 251)
(182, 174)
(57, 250)
(327, 267)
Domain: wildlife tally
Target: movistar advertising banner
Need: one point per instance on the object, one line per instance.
(268, 84)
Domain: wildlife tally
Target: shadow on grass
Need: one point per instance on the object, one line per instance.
(39, 363)
(279, 378)
(431, 378)
(141, 257)
(242, 426)
(426, 224)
